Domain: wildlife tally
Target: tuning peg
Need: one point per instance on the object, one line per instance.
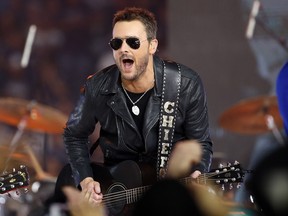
(238, 185)
(25, 190)
(236, 163)
(228, 164)
(22, 166)
(222, 187)
(221, 165)
(230, 186)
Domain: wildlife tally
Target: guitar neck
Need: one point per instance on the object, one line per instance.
(231, 174)
(201, 179)
(133, 195)
(118, 195)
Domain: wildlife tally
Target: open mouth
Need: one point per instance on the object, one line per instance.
(127, 63)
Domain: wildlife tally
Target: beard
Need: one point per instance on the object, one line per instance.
(138, 70)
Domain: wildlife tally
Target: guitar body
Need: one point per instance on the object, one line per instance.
(114, 181)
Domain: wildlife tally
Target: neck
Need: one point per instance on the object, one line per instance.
(140, 85)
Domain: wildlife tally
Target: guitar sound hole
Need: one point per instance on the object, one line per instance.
(115, 199)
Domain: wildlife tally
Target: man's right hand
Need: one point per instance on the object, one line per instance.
(91, 190)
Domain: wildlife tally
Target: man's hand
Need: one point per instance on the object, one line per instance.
(91, 190)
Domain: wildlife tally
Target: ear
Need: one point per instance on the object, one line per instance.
(153, 46)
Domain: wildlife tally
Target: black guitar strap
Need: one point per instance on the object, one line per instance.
(168, 112)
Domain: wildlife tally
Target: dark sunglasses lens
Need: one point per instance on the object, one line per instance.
(116, 43)
(134, 43)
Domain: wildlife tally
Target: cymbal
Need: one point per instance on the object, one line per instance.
(251, 116)
(38, 117)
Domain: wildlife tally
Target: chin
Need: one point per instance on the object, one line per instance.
(129, 75)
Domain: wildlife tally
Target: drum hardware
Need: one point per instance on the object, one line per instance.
(35, 117)
(32, 116)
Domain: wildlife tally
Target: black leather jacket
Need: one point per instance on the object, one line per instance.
(103, 100)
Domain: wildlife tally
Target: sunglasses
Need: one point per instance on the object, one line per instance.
(132, 42)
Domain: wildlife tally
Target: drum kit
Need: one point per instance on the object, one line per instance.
(33, 117)
(253, 116)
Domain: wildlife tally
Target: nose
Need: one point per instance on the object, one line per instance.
(125, 47)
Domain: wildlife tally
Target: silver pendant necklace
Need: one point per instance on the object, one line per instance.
(135, 108)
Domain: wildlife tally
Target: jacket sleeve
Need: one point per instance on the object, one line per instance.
(197, 123)
(80, 125)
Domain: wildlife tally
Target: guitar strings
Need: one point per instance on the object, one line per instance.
(206, 177)
(133, 194)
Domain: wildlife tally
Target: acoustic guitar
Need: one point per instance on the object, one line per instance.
(125, 183)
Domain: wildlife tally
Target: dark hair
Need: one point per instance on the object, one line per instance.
(143, 15)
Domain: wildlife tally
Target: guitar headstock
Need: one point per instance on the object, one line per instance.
(232, 173)
(14, 180)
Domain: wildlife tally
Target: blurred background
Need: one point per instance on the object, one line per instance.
(71, 42)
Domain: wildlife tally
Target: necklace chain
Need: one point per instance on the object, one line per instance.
(137, 99)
